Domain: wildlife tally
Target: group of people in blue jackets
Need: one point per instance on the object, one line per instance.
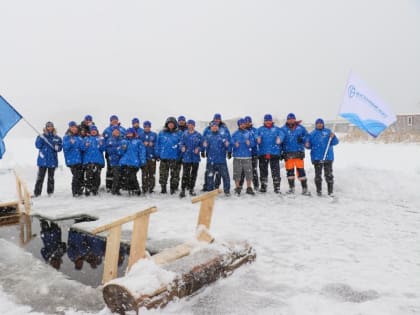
(179, 146)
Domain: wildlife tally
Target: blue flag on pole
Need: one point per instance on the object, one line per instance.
(364, 109)
(8, 118)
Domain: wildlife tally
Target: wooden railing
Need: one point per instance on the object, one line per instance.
(138, 241)
(205, 215)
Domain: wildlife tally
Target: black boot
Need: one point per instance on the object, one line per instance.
(182, 193)
(192, 192)
(318, 188)
(163, 189)
(304, 184)
(291, 186)
(330, 188)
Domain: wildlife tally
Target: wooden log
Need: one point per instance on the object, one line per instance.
(120, 300)
(12, 219)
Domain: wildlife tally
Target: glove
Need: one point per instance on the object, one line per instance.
(203, 154)
(229, 155)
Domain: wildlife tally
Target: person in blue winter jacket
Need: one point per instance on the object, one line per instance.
(169, 153)
(269, 139)
(243, 143)
(190, 148)
(93, 160)
(113, 147)
(255, 179)
(148, 171)
(135, 124)
(107, 133)
(224, 131)
(318, 141)
(216, 147)
(133, 156)
(48, 145)
(72, 147)
(294, 153)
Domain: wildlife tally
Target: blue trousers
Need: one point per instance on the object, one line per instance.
(212, 170)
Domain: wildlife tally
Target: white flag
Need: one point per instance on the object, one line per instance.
(364, 109)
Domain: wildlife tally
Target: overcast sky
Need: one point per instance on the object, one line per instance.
(60, 60)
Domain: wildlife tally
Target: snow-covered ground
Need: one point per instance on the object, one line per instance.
(358, 255)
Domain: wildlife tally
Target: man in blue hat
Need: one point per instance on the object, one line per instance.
(321, 142)
(72, 147)
(294, 153)
(135, 124)
(85, 125)
(253, 131)
(148, 171)
(269, 139)
(182, 123)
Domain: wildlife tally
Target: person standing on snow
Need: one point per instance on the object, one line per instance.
(190, 148)
(107, 133)
(169, 153)
(93, 160)
(85, 125)
(269, 139)
(216, 147)
(317, 142)
(182, 123)
(294, 153)
(148, 171)
(243, 143)
(224, 132)
(113, 146)
(48, 145)
(255, 180)
(72, 147)
(133, 156)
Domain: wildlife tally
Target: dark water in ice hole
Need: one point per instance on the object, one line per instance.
(78, 255)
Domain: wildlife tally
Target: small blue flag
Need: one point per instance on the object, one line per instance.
(8, 118)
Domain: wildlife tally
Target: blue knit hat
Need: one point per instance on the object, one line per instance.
(130, 130)
(182, 118)
(135, 121)
(92, 128)
(147, 124)
(248, 119)
(241, 121)
(217, 116)
(49, 124)
(115, 127)
(88, 118)
(291, 116)
(113, 117)
(319, 121)
(191, 122)
(213, 123)
(72, 124)
(268, 117)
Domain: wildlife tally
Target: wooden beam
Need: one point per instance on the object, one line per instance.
(138, 240)
(9, 204)
(111, 254)
(123, 220)
(205, 196)
(206, 212)
(171, 254)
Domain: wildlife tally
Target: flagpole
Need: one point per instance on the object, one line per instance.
(37, 132)
(335, 123)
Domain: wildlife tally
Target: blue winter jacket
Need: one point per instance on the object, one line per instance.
(93, 150)
(139, 131)
(317, 142)
(254, 132)
(47, 156)
(113, 146)
(216, 146)
(240, 137)
(191, 147)
(269, 140)
(223, 129)
(295, 138)
(167, 145)
(133, 153)
(108, 132)
(72, 151)
(149, 140)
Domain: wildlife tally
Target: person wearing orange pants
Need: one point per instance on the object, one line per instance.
(294, 153)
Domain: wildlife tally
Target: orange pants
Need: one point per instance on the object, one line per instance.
(291, 164)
